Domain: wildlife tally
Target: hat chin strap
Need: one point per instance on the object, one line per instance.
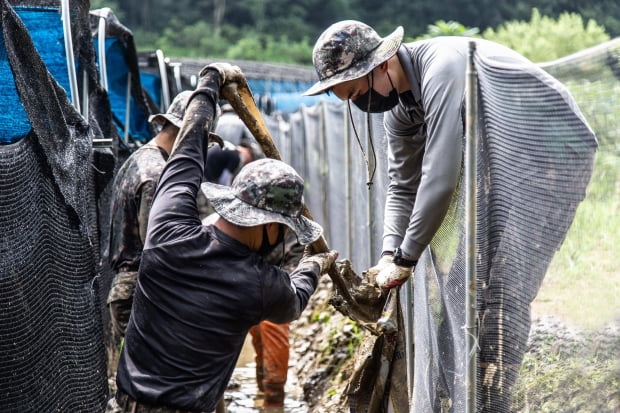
(370, 174)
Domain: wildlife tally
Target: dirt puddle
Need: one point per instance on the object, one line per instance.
(242, 394)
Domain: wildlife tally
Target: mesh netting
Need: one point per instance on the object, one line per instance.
(535, 159)
(53, 202)
(51, 344)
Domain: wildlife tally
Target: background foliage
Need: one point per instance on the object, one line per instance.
(285, 31)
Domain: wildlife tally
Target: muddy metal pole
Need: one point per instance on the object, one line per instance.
(409, 343)
(471, 333)
(347, 182)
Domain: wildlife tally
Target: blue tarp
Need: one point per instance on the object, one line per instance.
(45, 28)
(152, 85)
(117, 70)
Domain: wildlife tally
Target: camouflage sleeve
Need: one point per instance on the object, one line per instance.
(147, 191)
(120, 300)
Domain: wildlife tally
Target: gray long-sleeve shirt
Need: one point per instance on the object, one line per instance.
(425, 139)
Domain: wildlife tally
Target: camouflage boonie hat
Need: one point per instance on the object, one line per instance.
(175, 111)
(264, 191)
(348, 50)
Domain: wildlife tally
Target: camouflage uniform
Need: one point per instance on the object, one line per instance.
(133, 191)
(134, 187)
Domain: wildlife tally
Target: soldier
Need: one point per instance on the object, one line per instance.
(270, 340)
(421, 88)
(201, 287)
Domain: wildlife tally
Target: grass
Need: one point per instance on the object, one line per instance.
(582, 285)
(551, 383)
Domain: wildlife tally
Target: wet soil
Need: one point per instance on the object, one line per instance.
(242, 395)
(324, 346)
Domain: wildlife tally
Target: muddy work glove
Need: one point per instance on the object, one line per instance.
(228, 73)
(371, 274)
(323, 260)
(397, 272)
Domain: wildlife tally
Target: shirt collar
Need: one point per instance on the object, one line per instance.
(412, 75)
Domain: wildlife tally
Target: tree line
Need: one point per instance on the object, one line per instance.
(285, 31)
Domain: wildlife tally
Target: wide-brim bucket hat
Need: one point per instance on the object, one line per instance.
(175, 111)
(348, 50)
(265, 191)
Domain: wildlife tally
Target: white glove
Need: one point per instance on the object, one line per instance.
(393, 275)
(371, 273)
(323, 259)
(228, 73)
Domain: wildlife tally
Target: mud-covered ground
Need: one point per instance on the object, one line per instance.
(564, 371)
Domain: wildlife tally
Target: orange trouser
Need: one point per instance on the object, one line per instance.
(271, 346)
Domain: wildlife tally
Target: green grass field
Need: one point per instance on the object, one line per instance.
(582, 285)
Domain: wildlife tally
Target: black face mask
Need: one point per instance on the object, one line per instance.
(374, 102)
(266, 248)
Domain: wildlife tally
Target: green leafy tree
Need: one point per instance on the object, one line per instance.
(450, 28)
(271, 49)
(544, 38)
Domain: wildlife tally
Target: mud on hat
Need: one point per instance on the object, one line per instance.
(264, 191)
(348, 50)
(175, 111)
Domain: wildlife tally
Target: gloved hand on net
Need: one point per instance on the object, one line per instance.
(396, 272)
(393, 275)
(371, 274)
(228, 73)
(324, 260)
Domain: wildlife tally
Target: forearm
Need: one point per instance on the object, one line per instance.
(175, 198)
(305, 278)
(405, 152)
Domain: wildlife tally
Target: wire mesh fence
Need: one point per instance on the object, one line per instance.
(541, 160)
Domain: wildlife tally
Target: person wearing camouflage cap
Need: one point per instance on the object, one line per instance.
(269, 340)
(252, 187)
(132, 193)
(200, 288)
(420, 88)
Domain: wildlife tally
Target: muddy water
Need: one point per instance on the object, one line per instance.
(242, 394)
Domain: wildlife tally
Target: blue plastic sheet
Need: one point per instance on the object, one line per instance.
(117, 70)
(46, 31)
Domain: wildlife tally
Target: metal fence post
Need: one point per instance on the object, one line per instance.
(470, 231)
